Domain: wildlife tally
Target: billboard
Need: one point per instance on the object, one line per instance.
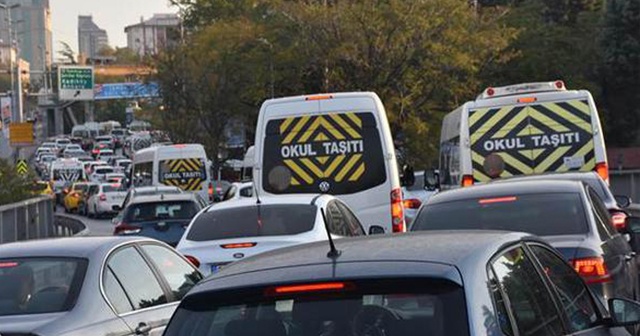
(5, 114)
(131, 90)
(75, 83)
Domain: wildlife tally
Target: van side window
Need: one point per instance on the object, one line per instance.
(352, 221)
(143, 174)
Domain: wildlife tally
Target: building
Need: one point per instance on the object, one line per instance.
(91, 38)
(151, 36)
(31, 30)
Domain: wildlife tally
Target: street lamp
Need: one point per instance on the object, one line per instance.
(271, 74)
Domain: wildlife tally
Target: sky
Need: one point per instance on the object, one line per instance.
(111, 15)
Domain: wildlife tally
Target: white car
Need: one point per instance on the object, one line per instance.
(114, 177)
(414, 196)
(42, 151)
(231, 231)
(238, 190)
(100, 173)
(105, 198)
(105, 154)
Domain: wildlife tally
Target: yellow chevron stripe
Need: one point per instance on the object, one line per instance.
(477, 114)
(479, 175)
(566, 115)
(580, 106)
(294, 182)
(320, 121)
(296, 129)
(347, 167)
(285, 124)
(334, 164)
(173, 164)
(322, 159)
(510, 125)
(515, 163)
(345, 127)
(549, 160)
(309, 164)
(356, 120)
(547, 121)
(536, 152)
(356, 175)
(590, 165)
(299, 171)
(321, 137)
(495, 119)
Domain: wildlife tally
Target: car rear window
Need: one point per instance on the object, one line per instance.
(39, 285)
(251, 221)
(164, 210)
(113, 188)
(539, 214)
(382, 307)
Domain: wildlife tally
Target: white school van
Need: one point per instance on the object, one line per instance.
(338, 144)
(184, 166)
(523, 129)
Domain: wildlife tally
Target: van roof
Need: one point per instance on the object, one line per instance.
(320, 96)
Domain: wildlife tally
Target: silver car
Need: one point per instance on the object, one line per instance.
(91, 286)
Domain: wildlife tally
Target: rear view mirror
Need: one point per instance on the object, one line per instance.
(623, 201)
(624, 312)
(408, 178)
(375, 229)
(431, 180)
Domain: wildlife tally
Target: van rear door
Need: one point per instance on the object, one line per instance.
(553, 136)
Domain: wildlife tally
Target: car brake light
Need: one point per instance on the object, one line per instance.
(412, 203)
(490, 91)
(592, 269)
(210, 191)
(603, 170)
(397, 211)
(619, 220)
(559, 84)
(193, 260)
(527, 100)
(319, 97)
(467, 180)
(498, 200)
(306, 288)
(124, 228)
(103, 197)
(8, 264)
(238, 245)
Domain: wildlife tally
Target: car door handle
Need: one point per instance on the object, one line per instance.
(143, 329)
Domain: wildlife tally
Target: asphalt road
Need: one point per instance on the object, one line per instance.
(97, 227)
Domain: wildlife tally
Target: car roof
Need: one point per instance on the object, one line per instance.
(154, 188)
(268, 200)
(454, 249)
(570, 176)
(507, 188)
(63, 247)
(163, 197)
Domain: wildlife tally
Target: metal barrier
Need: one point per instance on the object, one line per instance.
(35, 219)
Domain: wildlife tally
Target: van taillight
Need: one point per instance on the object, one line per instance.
(603, 170)
(210, 192)
(467, 180)
(592, 269)
(193, 260)
(397, 211)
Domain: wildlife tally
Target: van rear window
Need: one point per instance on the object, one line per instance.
(185, 173)
(338, 153)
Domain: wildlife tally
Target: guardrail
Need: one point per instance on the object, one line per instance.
(35, 219)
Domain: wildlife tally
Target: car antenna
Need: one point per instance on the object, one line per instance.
(333, 253)
(258, 203)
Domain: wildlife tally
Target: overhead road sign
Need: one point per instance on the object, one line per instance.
(21, 134)
(76, 83)
(131, 90)
(22, 168)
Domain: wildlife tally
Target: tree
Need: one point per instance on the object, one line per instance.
(15, 187)
(621, 72)
(67, 53)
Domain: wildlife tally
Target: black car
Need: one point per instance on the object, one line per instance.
(568, 214)
(435, 284)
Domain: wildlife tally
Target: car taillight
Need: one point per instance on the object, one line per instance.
(193, 260)
(95, 151)
(467, 180)
(210, 191)
(412, 203)
(592, 269)
(103, 197)
(397, 211)
(313, 287)
(75, 194)
(238, 245)
(619, 220)
(603, 170)
(124, 228)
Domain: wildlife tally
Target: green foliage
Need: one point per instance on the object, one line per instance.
(15, 187)
(111, 110)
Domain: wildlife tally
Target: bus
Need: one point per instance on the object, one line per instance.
(338, 144)
(184, 166)
(523, 129)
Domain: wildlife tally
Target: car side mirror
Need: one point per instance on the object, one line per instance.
(375, 230)
(408, 178)
(431, 180)
(624, 312)
(623, 201)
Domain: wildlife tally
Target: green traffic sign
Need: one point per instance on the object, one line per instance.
(76, 79)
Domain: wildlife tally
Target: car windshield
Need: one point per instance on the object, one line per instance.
(252, 221)
(67, 174)
(379, 307)
(540, 214)
(104, 170)
(39, 285)
(117, 132)
(163, 210)
(40, 186)
(63, 142)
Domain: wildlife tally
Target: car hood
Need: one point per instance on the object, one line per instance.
(567, 245)
(26, 323)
